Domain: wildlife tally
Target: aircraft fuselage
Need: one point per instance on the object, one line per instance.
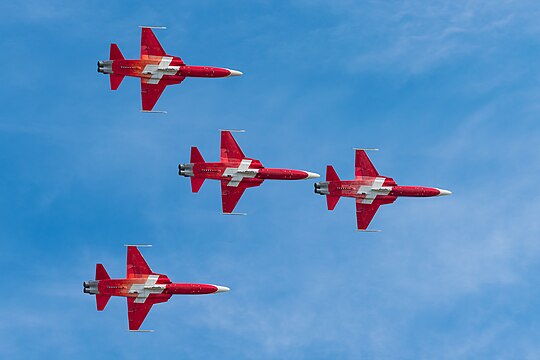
(135, 287)
(379, 187)
(166, 68)
(243, 171)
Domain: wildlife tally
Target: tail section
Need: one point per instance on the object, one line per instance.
(101, 273)
(101, 301)
(331, 174)
(331, 201)
(196, 156)
(116, 80)
(115, 53)
(196, 184)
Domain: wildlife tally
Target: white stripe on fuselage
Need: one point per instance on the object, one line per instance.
(371, 191)
(239, 173)
(144, 290)
(158, 71)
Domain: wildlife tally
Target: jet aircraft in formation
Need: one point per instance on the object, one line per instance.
(235, 171)
(142, 287)
(155, 68)
(370, 189)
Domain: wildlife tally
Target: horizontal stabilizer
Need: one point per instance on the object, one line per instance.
(331, 174)
(196, 156)
(101, 273)
(115, 53)
(331, 201)
(116, 80)
(196, 184)
(101, 301)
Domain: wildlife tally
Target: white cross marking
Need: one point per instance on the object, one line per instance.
(158, 71)
(237, 174)
(144, 290)
(371, 191)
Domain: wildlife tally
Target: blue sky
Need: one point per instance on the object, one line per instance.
(448, 91)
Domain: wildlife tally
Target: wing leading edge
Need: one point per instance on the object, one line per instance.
(229, 148)
(137, 311)
(150, 93)
(363, 166)
(230, 195)
(366, 212)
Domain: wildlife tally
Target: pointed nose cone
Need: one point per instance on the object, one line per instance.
(235, 72)
(443, 192)
(222, 289)
(311, 175)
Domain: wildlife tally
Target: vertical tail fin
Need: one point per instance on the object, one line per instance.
(115, 53)
(196, 156)
(331, 201)
(101, 301)
(101, 273)
(331, 174)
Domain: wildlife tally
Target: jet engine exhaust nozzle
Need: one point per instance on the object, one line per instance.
(90, 287)
(321, 188)
(104, 67)
(185, 170)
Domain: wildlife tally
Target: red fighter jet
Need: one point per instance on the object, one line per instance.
(235, 171)
(369, 189)
(155, 68)
(142, 287)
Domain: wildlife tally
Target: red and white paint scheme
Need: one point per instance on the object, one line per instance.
(155, 68)
(142, 287)
(235, 171)
(370, 189)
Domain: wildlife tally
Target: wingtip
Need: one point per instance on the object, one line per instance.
(366, 149)
(152, 27)
(233, 130)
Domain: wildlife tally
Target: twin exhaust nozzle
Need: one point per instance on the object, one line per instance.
(104, 67)
(185, 170)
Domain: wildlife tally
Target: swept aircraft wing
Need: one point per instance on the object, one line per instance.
(231, 194)
(136, 265)
(139, 306)
(150, 45)
(152, 87)
(366, 211)
(363, 166)
(151, 91)
(229, 149)
(137, 311)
